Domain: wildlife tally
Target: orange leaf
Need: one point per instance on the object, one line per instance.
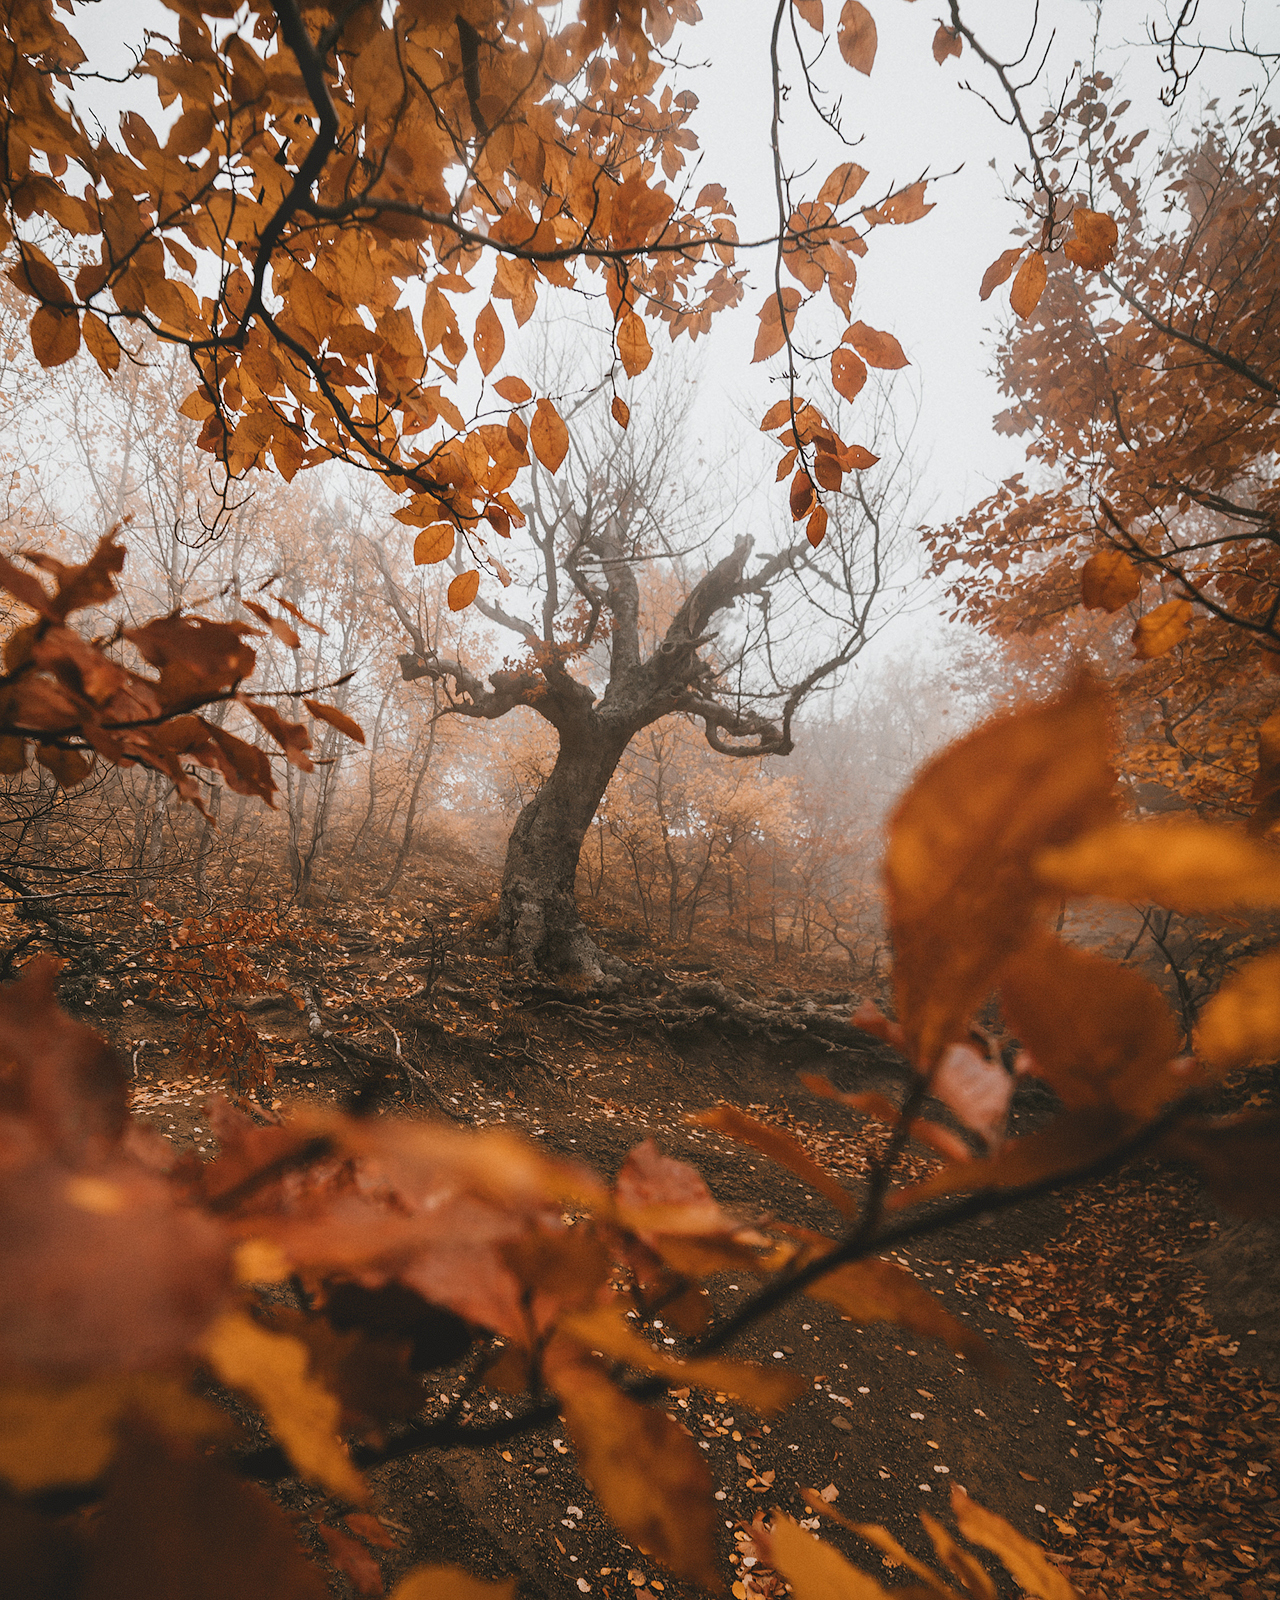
(771, 336)
(434, 544)
(490, 341)
(813, 1570)
(780, 1147)
(102, 343)
(946, 43)
(278, 626)
(856, 36)
(802, 495)
(450, 1583)
(1094, 244)
(998, 272)
(516, 390)
(1028, 286)
(549, 436)
(1241, 1023)
(843, 182)
(876, 349)
(1028, 1565)
(857, 458)
(777, 414)
(353, 1560)
(1109, 580)
(908, 205)
(811, 11)
(848, 373)
(1193, 866)
(69, 767)
(55, 335)
(649, 1475)
(959, 866)
(882, 1291)
(336, 719)
(292, 737)
(633, 345)
(816, 530)
(1162, 629)
(463, 590)
(620, 412)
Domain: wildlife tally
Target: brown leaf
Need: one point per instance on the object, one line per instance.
(803, 495)
(514, 390)
(1094, 243)
(811, 11)
(816, 529)
(1162, 630)
(908, 205)
(877, 349)
(1026, 1562)
(336, 719)
(848, 374)
(463, 590)
(352, 1560)
(856, 36)
(1028, 286)
(669, 1195)
(548, 436)
(647, 1473)
(55, 335)
(434, 543)
(620, 411)
(780, 1147)
(771, 335)
(102, 343)
(278, 626)
(882, 1291)
(450, 1583)
(1237, 1159)
(962, 890)
(245, 768)
(170, 1515)
(69, 767)
(292, 737)
(946, 43)
(633, 345)
(998, 272)
(490, 342)
(842, 183)
(1109, 580)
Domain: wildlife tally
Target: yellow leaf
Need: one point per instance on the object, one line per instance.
(648, 1474)
(59, 1433)
(621, 412)
(1242, 1022)
(548, 436)
(856, 36)
(633, 345)
(450, 1583)
(1194, 866)
(103, 346)
(815, 1571)
(1109, 580)
(606, 1330)
(1028, 286)
(1027, 1564)
(271, 1368)
(434, 544)
(1162, 629)
(490, 341)
(962, 891)
(463, 590)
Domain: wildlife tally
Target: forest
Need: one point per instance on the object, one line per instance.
(639, 918)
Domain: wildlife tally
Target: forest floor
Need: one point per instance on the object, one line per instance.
(1133, 1438)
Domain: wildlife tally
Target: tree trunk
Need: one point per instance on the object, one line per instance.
(538, 912)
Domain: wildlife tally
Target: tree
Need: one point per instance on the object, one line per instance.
(1148, 396)
(649, 642)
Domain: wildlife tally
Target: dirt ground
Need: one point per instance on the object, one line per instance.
(1133, 1438)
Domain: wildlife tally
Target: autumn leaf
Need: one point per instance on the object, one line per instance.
(336, 719)
(1108, 581)
(69, 767)
(908, 205)
(1241, 1022)
(55, 335)
(271, 1368)
(351, 1558)
(771, 336)
(779, 1146)
(620, 411)
(814, 1570)
(277, 625)
(102, 343)
(1093, 245)
(803, 496)
(1026, 1562)
(647, 1473)
(1194, 866)
(463, 590)
(548, 436)
(490, 341)
(811, 11)
(777, 414)
(856, 36)
(1236, 1159)
(450, 1583)
(633, 345)
(848, 374)
(841, 184)
(514, 390)
(946, 43)
(962, 890)
(1028, 286)
(882, 1291)
(435, 543)
(816, 528)
(1162, 630)
(998, 272)
(877, 349)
